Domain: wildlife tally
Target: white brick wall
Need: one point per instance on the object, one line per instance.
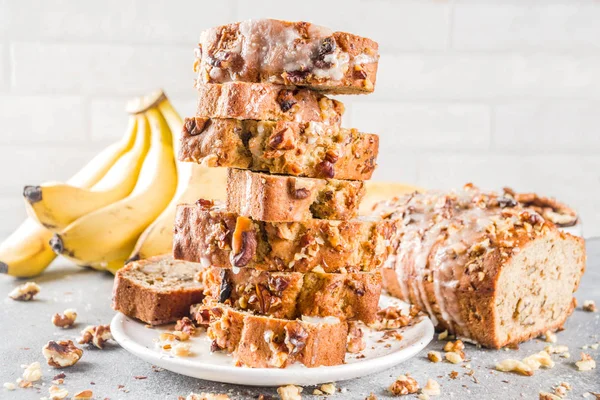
(495, 92)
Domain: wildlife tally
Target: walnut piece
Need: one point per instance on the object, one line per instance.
(328, 388)
(204, 396)
(405, 384)
(550, 337)
(394, 317)
(97, 335)
(25, 292)
(61, 354)
(32, 372)
(290, 392)
(185, 325)
(456, 347)
(181, 349)
(587, 363)
(589, 306)
(434, 356)
(536, 360)
(66, 319)
(9, 386)
(243, 242)
(556, 349)
(517, 366)
(356, 338)
(84, 395)
(431, 388)
(295, 338)
(371, 397)
(549, 396)
(454, 358)
(57, 393)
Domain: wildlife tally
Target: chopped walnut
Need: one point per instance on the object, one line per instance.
(290, 392)
(61, 354)
(96, 335)
(57, 393)
(181, 349)
(549, 396)
(371, 397)
(517, 366)
(456, 347)
(328, 388)
(84, 395)
(561, 389)
(537, 360)
(405, 384)
(32, 372)
(587, 363)
(550, 337)
(454, 358)
(453, 374)
(434, 356)
(394, 317)
(204, 396)
(443, 335)
(356, 338)
(25, 292)
(556, 349)
(66, 319)
(589, 306)
(9, 386)
(431, 388)
(185, 325)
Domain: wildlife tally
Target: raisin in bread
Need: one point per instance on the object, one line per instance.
(288, 53)
(291, 295)
(481, 265)
(265, 342)
(209, 234)
(263, 101)
(283, 198)
(157, 290)
(310, 149)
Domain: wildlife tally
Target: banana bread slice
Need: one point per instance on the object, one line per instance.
(481, 265)
(211, 235)
(157, 290)
(288, 53)
(310, 149)
(291, 295)
(264, 342)
(264, 101)
(280, 198)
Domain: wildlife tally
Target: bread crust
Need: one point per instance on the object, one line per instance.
(263, 101)
(287, 53)
(290, 295)
(452, 251)
(205, 234)
(311, 149)
(265, 342)
(278, 198)
(135, 297)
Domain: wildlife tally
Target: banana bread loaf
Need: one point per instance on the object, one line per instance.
(265, 342)
(291, 295)
(157, 290)
(481, 265)
(288, 53)
(310, 149)
(210, 235)
(280, 198)
(264, 101)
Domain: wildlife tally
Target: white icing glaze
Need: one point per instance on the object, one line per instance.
(329, 320)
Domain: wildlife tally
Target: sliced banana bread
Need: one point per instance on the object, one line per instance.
(289, 53)
(291, 295)
(157, 290)
(266, 342)
(310, 149)
(264, 101)
(481, 265)
(281, 198)
(209, 234)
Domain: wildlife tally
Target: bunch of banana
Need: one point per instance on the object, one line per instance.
(120, 206)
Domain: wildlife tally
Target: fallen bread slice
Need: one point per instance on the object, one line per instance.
(289, 53)
(310, 149)
(290, 295)
(157, 290)
(263, 101)
(209, 234)
(265, 342)
(281, 198)
(481, 265)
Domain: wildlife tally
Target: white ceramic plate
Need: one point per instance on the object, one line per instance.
(133, 336)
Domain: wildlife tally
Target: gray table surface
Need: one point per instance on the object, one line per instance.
(110, 373)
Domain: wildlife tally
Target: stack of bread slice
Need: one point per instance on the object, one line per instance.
(288, 263)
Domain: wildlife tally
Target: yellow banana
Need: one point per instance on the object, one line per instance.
(194, 182)
(56, 205)
(26, 252)
(110, 233)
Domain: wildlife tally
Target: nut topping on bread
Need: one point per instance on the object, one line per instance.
(243, 242)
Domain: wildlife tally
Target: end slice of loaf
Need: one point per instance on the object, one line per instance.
(157, 290)
(290, 295)
(209, 234)
(280, 198)
(310, 149)
(481, 265)
(289, 53)
(265, 342)
(264, 101)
